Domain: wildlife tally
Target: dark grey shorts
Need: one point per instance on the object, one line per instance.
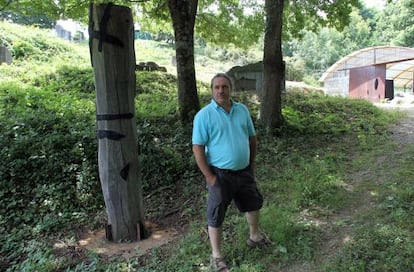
(239, 186)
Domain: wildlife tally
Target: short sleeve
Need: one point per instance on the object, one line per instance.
(200, 129)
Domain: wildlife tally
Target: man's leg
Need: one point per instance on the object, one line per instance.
(253, 221)
(219, 264)
(215, 241)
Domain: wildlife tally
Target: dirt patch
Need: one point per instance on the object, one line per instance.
(403, 132)
(97, 242)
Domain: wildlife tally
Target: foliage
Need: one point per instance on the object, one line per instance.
(235, 22)
(331, 115)
(18, 18)
(241, 23)
(396, 30)
(377, 248)
(53, 10)
(299, 16)
(335, 44)
(228, 18)
(49, 186)
(46, 121)
(367, 27)
(29, 44)
(156, 94)
(295, 69)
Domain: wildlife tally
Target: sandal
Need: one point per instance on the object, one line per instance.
(262, 243)
(219, 264)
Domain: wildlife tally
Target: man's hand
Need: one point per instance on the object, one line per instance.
(211, 180)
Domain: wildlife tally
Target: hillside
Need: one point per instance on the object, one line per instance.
(337, 177)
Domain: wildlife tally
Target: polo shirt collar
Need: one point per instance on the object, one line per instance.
(216, 105)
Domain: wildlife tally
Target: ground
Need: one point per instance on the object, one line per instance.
(335, 227)
(97, 242)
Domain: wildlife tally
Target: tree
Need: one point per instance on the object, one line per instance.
(37, 20)
(297, 16)
(335, 44)
(273, 69)
(49, 8)
(183, 14)
(113, 59)
(227, 20)
(231, 23)
(221, 23)
(395, 24)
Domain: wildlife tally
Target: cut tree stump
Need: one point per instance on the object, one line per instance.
(111, 32)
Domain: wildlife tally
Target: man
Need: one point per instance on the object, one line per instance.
(224, 146)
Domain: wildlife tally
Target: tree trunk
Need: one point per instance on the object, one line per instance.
(183, 13)
(273, 67)
(112, 51)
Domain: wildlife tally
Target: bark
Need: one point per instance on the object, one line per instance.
(273, 67)
(183, 14)
(112, 50)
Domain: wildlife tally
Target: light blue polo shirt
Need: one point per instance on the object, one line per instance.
(224, 135)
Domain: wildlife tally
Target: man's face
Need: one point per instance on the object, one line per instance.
(221, 90)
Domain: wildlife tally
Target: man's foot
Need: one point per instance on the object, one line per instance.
(262, 243)
(219, 264)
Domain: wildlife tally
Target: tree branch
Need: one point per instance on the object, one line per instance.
(5, 6)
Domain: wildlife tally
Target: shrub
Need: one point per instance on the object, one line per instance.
(315, 113)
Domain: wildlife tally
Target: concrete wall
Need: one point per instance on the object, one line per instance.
(337, 86)
(71, 30)
(248, 77)
(248, 81)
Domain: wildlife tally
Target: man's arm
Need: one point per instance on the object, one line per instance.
(200, 157)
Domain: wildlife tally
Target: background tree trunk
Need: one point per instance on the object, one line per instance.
(111, 31)
(183, 14)
(273, 67)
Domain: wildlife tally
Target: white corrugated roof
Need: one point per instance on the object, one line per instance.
(399, 62)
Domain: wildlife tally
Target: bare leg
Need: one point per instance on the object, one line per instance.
(215, 241)
(253, 221)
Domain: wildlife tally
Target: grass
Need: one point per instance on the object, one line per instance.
(331, 176)
(383, 238)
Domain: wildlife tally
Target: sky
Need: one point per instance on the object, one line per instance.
(374, 3)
